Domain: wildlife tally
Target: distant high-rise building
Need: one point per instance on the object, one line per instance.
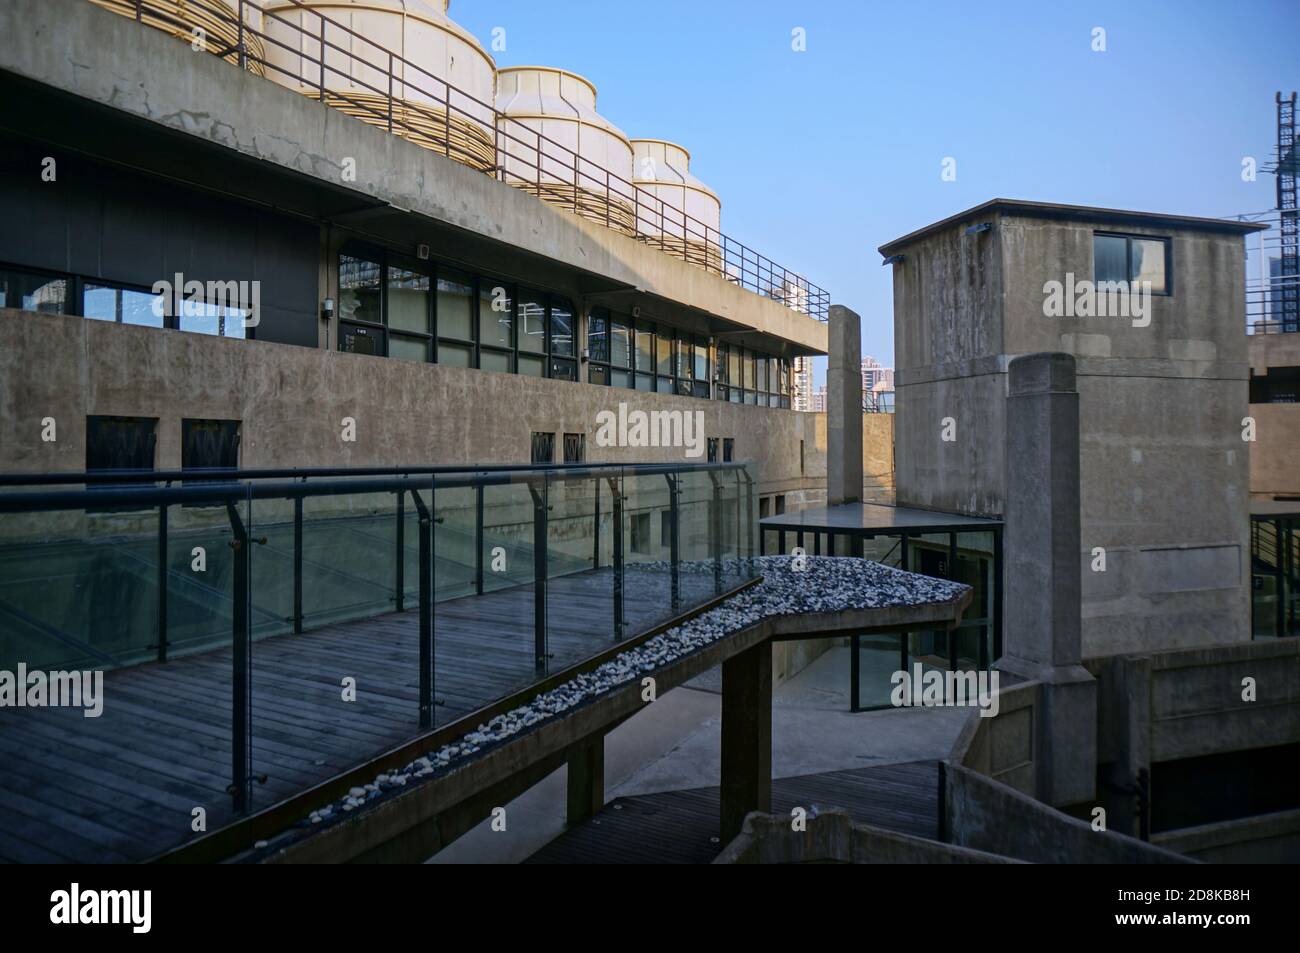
(819, 400)
(877, 384)
(802, 392)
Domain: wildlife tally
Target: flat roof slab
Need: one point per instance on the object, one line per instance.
(876, 518)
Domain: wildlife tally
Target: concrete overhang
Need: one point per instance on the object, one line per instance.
(1074, 213)
(101, 85)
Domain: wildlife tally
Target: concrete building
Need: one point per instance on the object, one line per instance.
(1162, 398)
(1275, 408)
(802, 399)
(449, 312)
(877, 386)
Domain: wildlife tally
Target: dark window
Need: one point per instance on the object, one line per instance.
(598, 336)
(575, 447)
(780, 504)
(640, 527)
(561, 329)
(121, 443)
(361, 306)
(713, 450)
(532, 333)
(728, 449)
(209, 444)
(543, 447)
(32, 291)
(665, 528)
(455, 304)
(1132, 258)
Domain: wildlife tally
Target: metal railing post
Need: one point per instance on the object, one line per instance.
(426, 679)
(616, 493)
(540, 509)
(162, 582)
(297, 565)
(595, 546)
(715, 532)
(323, 54)
(399, 570)
(674, 547)
(243, 56)
(139, 11)
(478, 540)
(390, 90)
(241, 671)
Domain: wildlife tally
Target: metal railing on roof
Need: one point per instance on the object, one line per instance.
(446, 119)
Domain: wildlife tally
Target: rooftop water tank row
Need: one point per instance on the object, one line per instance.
(217, 19)
(545, 134)
(435, 61)
(685, 215)
(555, 145)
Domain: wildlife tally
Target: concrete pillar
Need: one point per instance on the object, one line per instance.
(746, 737)
(1041, 553)
(586, 784)
(844, 408)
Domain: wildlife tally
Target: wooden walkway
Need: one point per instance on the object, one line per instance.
(123, 787)
(681, 827)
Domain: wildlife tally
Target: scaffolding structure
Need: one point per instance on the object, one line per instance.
(1287, 297)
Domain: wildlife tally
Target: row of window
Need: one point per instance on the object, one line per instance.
(398, 307)
(131, 443)
(54, 293)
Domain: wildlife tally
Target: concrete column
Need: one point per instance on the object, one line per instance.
(1041, 553)
(746, 737)
(844, 408)
(586, 785)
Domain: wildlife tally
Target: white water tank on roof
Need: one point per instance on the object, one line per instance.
(434, 62)
(684, 217)
(556, 145)
(215, 23)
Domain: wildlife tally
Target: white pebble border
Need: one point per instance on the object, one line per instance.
(827, 584)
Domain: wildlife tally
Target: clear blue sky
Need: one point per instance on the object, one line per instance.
(823, 155)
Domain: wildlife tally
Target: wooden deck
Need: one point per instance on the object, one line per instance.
(122, 787)
(681, 827)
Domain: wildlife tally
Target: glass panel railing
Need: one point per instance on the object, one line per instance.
(79, 587)
(260, 635)
(349, 556)
(485, 645)
(647, 551)
(579, 591)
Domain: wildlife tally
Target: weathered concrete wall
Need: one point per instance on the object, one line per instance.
(1004, 747)
(1160, 415)
(1188, 704)
(292, 401)
(1275, 454)
(832, 837)
(1265, 839)
(988, 816)
(108, 59)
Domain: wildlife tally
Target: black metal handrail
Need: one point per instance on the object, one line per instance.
(736, 261)
(230, 475)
